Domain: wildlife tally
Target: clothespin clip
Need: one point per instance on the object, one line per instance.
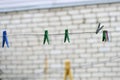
(105, 36)
(46, 65)
(46, 38)
(99, 28)
(66, 36)
(68, 72)
(46, 68)
(5, 39)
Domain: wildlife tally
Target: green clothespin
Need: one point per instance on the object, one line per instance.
(105, 36)
(66, 36)
(46, 38)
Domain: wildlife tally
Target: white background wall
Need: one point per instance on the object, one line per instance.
(24, 60)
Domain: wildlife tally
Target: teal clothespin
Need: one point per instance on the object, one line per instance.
(46, 38)
(105, 36)
(66, 36)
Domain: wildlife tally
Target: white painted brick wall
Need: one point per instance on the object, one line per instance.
(91, 59)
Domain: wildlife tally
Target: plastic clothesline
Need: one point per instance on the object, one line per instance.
(39, 34)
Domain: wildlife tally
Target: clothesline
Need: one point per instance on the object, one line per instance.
(46, 35)
(66, 30)
(40, 34)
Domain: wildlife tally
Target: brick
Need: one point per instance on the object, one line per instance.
(74, 17)
(112, 19)
(98, 64)
(110, 74)
(90, 20)
(85, 11)
(106, 69)
(73, 12)
(85, 75)
(117, 28)
(97, 10)
(107, 49)
(98, 74)
(6, 17)
(115, 13)
(92, 70)
(54, 23)
(49, 14)
(118, 18)
(113, 8)
(58, 66)
(36, 20)
(32, 57)
(91, 50)
(53, 19)
(105, 19)
(61, 13)
(116, 69)
(7, 22)
(17, 16)
(78, 21)
(106, 78)
(66, 23)
(38, 15)
(111, 64)
(27, 15)
(17, 21)
(65, 18)
(103, 14)
(91, 15)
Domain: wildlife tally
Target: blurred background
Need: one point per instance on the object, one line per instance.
(27, 58)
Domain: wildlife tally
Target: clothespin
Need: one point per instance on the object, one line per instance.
(46, 68)
(68, 72)
(46, 65)
(46, 38)
(5, 39)
(66, 36)
(99, 28)
(105, 36)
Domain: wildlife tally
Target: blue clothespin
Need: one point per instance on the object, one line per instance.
(5, 39)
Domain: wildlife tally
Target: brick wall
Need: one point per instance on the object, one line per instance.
(91, 59)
